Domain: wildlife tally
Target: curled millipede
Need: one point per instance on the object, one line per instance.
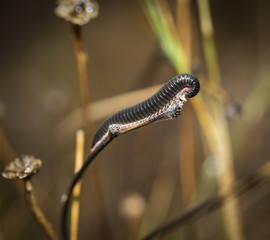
(166, 104)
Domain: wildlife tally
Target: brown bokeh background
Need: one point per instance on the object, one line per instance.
(39, 89)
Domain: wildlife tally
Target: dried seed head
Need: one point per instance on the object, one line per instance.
(78, 12)
(22, 167)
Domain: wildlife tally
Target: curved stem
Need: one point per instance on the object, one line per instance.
(37, 212)
(68, 196)
(209, 205)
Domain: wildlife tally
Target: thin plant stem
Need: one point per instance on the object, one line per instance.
(171, 32)
(260, 177)
(186, 132)
(171, 49)
(186, 143)
(208, 41)
(168, 40)
(36, 210)
(7, 153)
(82, 59)
(183, 20)
(223, 150)
(75, 207)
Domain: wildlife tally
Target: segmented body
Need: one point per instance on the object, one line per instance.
(166, 104)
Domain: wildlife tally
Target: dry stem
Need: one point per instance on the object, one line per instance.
(75, 207)
(222, 147)
(37, 212)
(82, 59)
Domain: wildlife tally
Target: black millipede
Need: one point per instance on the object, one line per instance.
(166, 104)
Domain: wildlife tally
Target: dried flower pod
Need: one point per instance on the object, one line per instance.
(22, 167)
(78, 12)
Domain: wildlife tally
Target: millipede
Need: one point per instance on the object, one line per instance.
(165, 104)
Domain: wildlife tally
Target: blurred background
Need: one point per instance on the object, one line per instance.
(151, 175)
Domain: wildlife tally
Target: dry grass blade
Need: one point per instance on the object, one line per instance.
(259, 178)
(222, 147)
(186, 125)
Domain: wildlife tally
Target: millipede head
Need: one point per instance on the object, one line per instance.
(194, 86)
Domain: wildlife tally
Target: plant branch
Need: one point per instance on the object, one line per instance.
(36, 210)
